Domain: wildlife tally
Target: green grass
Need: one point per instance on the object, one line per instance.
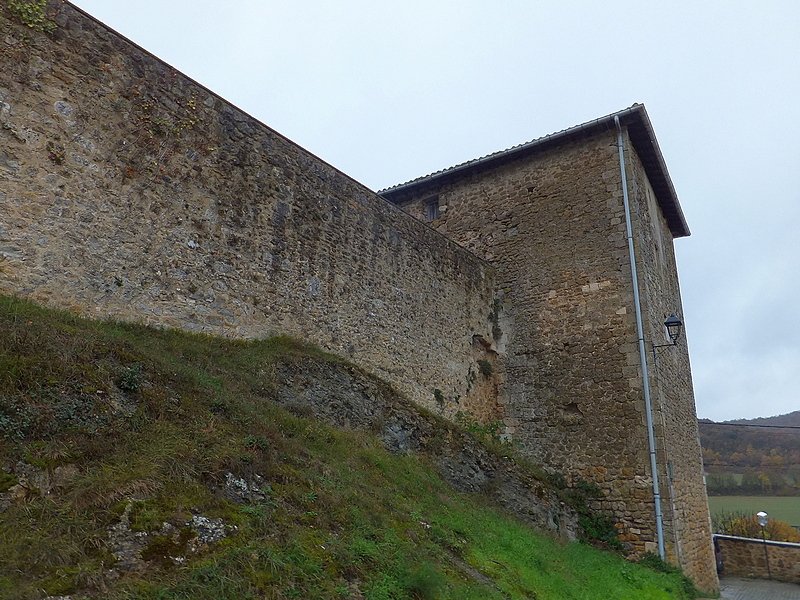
(160, 416)
(782, 508)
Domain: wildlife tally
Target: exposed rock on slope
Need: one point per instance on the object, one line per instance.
(345, 396)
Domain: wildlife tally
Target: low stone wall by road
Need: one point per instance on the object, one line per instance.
(747, 557)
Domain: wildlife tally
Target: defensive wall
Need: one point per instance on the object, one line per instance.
(748, 557)
(127, 190)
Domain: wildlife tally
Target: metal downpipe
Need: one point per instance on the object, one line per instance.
(642, 352)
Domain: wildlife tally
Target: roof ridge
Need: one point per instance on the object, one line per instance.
(636, 106)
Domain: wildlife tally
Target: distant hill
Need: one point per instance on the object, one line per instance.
(752, 456)
(791, 419)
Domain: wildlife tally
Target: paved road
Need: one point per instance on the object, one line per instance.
(757, 589)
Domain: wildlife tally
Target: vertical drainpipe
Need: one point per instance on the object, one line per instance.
(642, 352)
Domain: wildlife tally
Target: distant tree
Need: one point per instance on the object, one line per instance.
(751, 482)
(719, 484)
(763, 460)
(773, 460)
(712, 458)
(736, 458)
(746, 525)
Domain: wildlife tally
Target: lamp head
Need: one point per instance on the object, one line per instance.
(763, 518)
(674, 327)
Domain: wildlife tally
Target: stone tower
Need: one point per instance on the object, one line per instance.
(550, 215)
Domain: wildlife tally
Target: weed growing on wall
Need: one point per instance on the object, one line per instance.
(31, 13)
(489, 431)
(56, 153)
(162, 132)
(494, 318)
(485, 367)
(439, 397)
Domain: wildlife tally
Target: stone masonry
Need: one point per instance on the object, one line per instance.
(748, 557)
(129, 191)
(549, 216)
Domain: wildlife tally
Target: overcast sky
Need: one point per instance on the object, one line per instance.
(388, 91)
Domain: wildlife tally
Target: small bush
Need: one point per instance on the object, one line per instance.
(16, 419)
(485, 367)
(131, 379)
(557, 480)
(220, 406)
(490, 431)
(426, 582)
(743, 524)
(657, 564)
(600, 528)
(7, 481)
(596, 526)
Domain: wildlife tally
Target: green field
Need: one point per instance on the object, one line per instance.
(782, 508)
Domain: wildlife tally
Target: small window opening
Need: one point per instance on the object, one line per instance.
(432, 208)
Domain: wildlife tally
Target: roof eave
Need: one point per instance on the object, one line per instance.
(642, 137)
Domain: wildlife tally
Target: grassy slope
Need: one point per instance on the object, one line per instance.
(160, 416)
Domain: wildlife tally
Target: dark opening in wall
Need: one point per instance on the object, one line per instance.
(432, 208)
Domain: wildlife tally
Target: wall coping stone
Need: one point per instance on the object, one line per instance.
(737, 538)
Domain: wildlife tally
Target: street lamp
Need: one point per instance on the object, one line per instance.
(674, 327)
(763, 519)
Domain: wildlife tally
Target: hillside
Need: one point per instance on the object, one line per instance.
(145, 463)
(757, 456)
(791, 419)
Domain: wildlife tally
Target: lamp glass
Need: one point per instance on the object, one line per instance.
(763, 518)
(674, 326)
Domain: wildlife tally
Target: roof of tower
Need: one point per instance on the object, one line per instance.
(642, 137)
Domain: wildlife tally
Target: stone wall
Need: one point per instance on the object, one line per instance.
(553, 224)
(684, 501)
(129, 191)
(573, 384)
(747, 557)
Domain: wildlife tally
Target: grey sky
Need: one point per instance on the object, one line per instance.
(388, 91)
